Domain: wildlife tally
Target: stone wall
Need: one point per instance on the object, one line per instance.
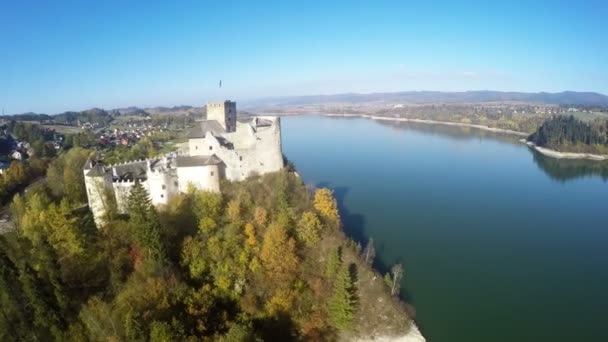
(201, 177)
(254, 151)
(96, 194)
(224, 113)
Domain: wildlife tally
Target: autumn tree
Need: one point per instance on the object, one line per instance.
(260, 216)
(308, 229)
(278, 256)
(325, 203)
(207, 207)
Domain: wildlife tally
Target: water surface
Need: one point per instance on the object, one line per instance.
(499, 243)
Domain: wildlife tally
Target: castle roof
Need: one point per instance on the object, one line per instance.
(131, 171)
(190, 161)
(199, 131)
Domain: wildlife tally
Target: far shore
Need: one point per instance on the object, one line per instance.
(545, 151)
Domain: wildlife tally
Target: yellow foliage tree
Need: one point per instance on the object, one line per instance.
(309, 229)
(250, 232)
(325, 204)
(280, 302)
(278, 256)
(234, 210)
(260, 216)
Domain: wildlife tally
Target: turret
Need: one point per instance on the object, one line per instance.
(224, 113)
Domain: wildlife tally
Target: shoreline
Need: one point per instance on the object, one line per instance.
(432, 122)
(565, 155)
(545, 151)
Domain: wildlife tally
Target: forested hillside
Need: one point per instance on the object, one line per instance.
(265, 260)
(566, 133)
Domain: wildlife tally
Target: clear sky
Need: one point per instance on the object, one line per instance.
(57, 55)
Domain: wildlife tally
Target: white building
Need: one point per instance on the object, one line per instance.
(219, 147)
(17, 155)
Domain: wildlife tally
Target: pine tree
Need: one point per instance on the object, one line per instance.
(341, 305)
(333, 263)
(145, 224)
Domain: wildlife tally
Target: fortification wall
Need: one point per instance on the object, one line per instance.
(96, 194)
(201, 177)
(162, 185)
(122, 190)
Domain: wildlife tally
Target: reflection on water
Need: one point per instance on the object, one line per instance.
(561, 170)
(569, 169)
(488, 241)
(455, 132)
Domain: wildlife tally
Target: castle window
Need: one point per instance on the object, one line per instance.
(210, 148)
(241, 158)
(162, 196)
(164, 187)
(196, 147)
(211, 173)
(175, 183)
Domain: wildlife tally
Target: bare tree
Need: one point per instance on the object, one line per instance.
(397, 271)
(370, 252)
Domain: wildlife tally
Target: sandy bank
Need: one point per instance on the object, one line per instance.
(413, 335)
(565, 155)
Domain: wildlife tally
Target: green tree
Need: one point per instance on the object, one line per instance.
(145, 224)
(333, 263)
(341, 305)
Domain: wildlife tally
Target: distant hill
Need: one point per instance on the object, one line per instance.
(428, 97)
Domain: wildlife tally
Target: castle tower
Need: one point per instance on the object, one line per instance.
(97, 182)
(224, 113)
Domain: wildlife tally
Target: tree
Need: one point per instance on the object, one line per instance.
(278, 256)
(234, 211)
(333, 263)
(341, 305)
(260, 216)
(397, 271)
(251, 236)
(309, 228)
(145, 224)
(370, 252)
(207, 207)
(325, 204)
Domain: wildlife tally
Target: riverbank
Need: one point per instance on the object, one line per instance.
(545, 151)
(565, 155)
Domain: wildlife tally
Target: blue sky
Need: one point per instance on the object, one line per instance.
(58, 55)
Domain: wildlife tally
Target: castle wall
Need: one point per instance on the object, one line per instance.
(162, 185)
(96, 194)
(254, 152)
(122, 190)
(246, 150)
(201, 177)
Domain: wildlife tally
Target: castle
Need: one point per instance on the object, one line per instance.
(221, 147)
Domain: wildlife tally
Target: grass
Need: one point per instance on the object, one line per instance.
(589, 116)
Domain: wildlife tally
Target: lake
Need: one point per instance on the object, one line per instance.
(498, 242)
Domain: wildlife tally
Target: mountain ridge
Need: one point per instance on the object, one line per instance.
(440, 97)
